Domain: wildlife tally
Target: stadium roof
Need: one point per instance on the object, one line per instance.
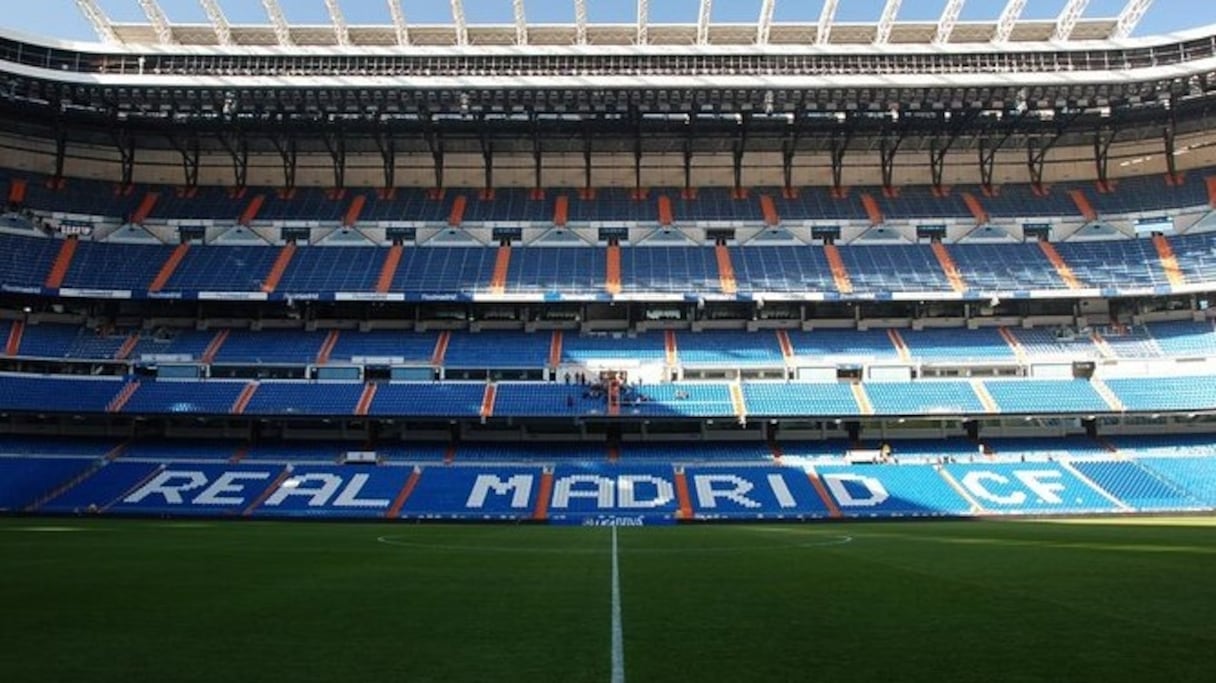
(698, 29)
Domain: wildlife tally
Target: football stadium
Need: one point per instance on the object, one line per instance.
(584, 340)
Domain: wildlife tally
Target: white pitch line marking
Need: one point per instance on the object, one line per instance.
(618, 634)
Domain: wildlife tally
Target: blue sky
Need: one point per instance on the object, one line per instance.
(60, 18)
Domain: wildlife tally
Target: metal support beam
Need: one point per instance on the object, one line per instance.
(124, 141)
(98, 20)
(341, 32)
(1038, 146)
(580, 22)
(61, 149)
(462, 27)
(888, 146)
(765, 25)
(219, 22)
(538, 153)
(1103, 138)
(521, 22)
(387, 144)
(588, 134)
(789, 145)
(1168, 135)
(237, 146)
(1008, 19)
(643, 22)
(886, 22)
(703, 15)
(954, 122)
(282, 32)
(158, 20)
(1130, 17)
(400, 27)
(189, 150)
(434, 140)
(738, 147)
(840, 143)
(335, 144)
(945, 25)
(827, 15)
(988, 147)
(285, 145)
(687, 143)
(487, 153)
(636, 116)
(1068, 19)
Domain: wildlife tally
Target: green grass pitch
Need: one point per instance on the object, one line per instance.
(140, 600)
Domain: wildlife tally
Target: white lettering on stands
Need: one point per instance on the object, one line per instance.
(836, 484)
(708, 496)
(519, 486)
(226, 483)
(162, 485)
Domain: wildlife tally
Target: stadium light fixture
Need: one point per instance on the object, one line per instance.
(1130, 17)
(219, 22)
(1008, 19)
(886, 22)
(282, 32)
(399, 26)
(98, 20)
(1067, 21)
(158, 20)
(826, 16)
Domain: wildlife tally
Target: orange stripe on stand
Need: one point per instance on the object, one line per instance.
(787, 346)
(13, 347)
(672, 350)
(128, 347)
(487, 402)
(274, 486)
(555, 349)
(614, 398)
(900, 345)
(16, 191)
(541, 511)
(986, 400)
(354, 210)
(1169, 262)
(1062, 269)
(769, 209)
(561, 210)
(457, 214)
(1083, 206)
(840, 273)
(63, 261)
(685, 501)
(1211, 182)
(441, 348)
(737, 402)
(327, 347)
(502, 263)
(666, 217)
(399, 502)
(365, 399)
(251, 210)
(116, 405)
(871, 207)
(612, 274)
(145, 208)
(946, 261)
(280, 266)
(976, 207)
(822, 491)
(242, 401)
(392, 260)
(213, 349)
(1019, 351)
(169, 267)
(726, 270)
(863, 399)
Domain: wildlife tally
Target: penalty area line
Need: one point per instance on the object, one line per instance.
(618, 634)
